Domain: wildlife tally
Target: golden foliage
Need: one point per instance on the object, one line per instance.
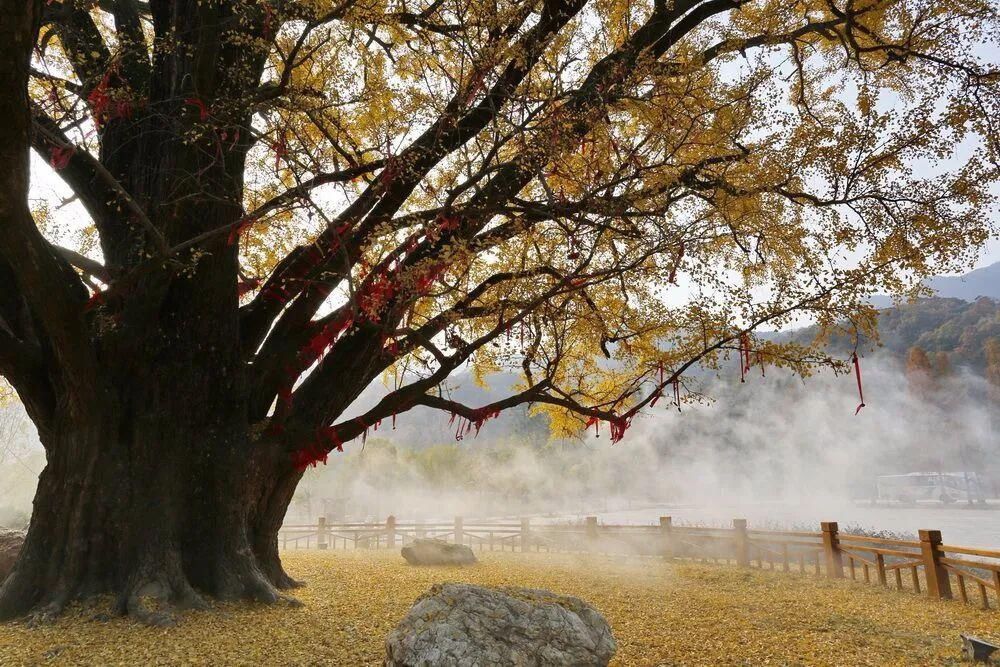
(660, 614)
(638, 209)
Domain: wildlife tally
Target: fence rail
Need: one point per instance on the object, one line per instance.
(931, 565)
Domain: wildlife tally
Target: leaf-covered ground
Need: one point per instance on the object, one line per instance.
(661, 615)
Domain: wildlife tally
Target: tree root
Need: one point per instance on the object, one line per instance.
(157, 600)
(47, 613)
(286, 583)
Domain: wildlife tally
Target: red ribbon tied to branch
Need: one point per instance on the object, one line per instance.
(200, 105)
(618, 427)
(744, 356)
(857, 374)
(60, 156)
(659, 387)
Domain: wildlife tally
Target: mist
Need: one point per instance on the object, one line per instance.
(778, 449)
(771, 443)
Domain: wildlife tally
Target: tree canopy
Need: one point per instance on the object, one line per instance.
(596, 195)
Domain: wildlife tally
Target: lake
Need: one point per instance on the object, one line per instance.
(959, 526)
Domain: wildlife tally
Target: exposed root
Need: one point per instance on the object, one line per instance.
(161, 617)
(284, 582)
(48, 613)
(259, 589)
(158, 600)
(289, 601)
(189, 599)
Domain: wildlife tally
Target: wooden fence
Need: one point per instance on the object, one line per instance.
(925, 565)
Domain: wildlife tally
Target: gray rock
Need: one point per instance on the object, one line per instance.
(437, 552)
(10, 547)
(462, 624)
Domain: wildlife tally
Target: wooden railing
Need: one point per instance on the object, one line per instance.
(921, 566)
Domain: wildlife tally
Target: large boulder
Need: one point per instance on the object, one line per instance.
(437, 552)
(10, 547)
(462, 624)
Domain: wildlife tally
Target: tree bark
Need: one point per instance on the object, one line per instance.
(159, 524)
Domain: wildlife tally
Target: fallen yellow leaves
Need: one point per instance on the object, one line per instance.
(661, 614)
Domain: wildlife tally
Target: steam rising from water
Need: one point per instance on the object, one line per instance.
(776, 440)
(774, 450)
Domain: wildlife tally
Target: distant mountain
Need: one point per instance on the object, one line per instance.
(951, 325)
(971, 286)
(968, 287)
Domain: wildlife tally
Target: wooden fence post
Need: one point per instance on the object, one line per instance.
(831, 546)
(525, 534)
(666, 526)
(938, 583)
(591, 530)
(390, 531)
(742, 542)
(459, 532)
(321, 532)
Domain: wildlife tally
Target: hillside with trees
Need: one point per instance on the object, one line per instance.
(960, 330)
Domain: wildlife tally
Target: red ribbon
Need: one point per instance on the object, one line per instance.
(59, 157)
(202, 109)
(618, 427)
(857, 374)
(241, 226)
(97, 299)
(659, 387)
(744, 356)
(280, 148)
(244, 287)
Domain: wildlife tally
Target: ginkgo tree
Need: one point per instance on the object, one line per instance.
(285, 201)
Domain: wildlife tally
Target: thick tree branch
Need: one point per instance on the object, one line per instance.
(55, 299)
(397, 181)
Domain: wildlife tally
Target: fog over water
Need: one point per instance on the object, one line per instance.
(777, 450)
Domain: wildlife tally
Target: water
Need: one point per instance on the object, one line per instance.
(959, 526)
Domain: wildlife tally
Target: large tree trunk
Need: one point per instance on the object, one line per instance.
(159, 524)
(157, 489)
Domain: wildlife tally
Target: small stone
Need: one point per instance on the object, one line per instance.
(462, 624)
(438, 552)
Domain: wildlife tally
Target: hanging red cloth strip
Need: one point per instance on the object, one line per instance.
(245, 286)
(857, 374)
(618, 427)
(744, 357)
(237, 230)
(677, 393)
(59, 157)
(197, 103)
(481, 416)
(97, 299)
(659, 387)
